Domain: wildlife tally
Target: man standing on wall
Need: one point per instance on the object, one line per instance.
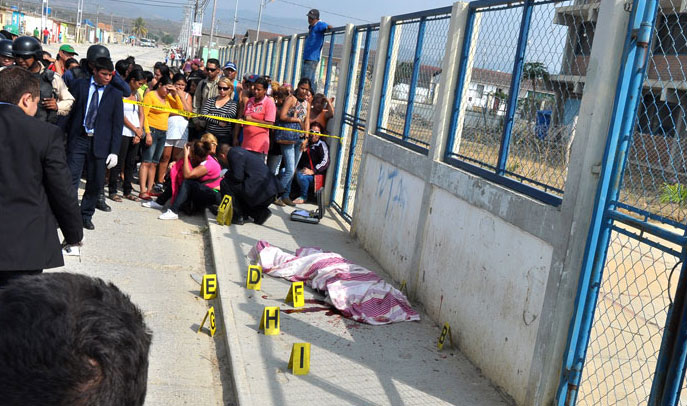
(313, 46)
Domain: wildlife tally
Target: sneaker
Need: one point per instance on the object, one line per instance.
(168, 215)
(158, 188)
(152, 204)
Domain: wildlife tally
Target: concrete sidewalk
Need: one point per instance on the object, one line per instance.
(351, 363)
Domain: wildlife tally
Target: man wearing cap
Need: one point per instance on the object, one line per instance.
(66, 51)
(55, 97)
(230, 73)
(313, 46)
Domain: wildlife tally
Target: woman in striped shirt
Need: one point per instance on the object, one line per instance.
(223, 106)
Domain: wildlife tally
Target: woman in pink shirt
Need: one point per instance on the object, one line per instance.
(259, 109)
(199, 174)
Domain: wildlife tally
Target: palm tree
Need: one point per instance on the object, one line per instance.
(534, 71)
(140, 29)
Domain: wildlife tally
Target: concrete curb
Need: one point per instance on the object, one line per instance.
(238, 373)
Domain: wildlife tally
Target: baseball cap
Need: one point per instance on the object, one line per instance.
(230, 65)
(251, 78)
(314, 13)
(68, 49)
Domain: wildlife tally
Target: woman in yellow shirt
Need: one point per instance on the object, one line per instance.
(164, 94)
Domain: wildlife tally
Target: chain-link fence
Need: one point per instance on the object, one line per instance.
(355, 105)
(521, 87)
(644, 262)
(417, 44)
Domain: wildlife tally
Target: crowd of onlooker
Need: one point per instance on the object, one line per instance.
(157, 141)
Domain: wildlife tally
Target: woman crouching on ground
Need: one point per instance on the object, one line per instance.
(195, 181)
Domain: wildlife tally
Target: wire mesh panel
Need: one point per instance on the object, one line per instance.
(330, 66)
(412, 73)
(354, 124)
(644, 258)
(520, 86)
(629, 322)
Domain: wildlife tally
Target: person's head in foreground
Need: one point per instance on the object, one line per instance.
(73, 340)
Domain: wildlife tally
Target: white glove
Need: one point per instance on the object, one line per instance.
(111, 161)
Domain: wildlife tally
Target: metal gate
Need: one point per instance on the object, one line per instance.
(628, 335)
(354, 123)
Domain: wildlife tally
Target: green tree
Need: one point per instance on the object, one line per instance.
(404, 72)
(167, 38)
(534, 71)
(140, 29)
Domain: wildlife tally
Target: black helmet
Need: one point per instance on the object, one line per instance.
(6, 48)
(97, 51)
(26, 46)
(2, 36)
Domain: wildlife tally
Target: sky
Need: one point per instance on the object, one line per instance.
(281, 16)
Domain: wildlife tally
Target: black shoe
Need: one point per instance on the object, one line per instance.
(101, 205)
(238, 220)
(214, 208)
(88, 224)
(262, 217)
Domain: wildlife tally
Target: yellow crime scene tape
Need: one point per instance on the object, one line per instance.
(189, 114)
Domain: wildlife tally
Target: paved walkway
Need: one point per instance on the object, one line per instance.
(151, 260)
(351, 363)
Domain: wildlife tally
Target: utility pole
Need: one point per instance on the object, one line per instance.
(212, 23)
(236, 19)
(262, 5)
(79, 18)
(193, 38)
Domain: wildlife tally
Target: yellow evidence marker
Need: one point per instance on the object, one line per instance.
(446, 331)
(270, 320)
(296, 295)
(213, 326)
(254, 277)
(299, 363)
(225, 211)
(208, 287)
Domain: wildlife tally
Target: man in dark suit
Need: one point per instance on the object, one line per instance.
(35, 182)
(94, 133)
(250, 184)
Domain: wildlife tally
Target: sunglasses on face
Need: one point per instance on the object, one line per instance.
(223, 89)
(210, 69)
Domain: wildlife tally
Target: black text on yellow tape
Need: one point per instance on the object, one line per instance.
(211, 315)
(254, 277)
(269, 322)
(295, 294)
(225, 211)
(299, 362)
(188, 114)
(445, 331)
(208, 287)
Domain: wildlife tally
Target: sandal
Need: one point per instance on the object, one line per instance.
(132, 198)
(299, 201)
(144, 196)
(115, 197)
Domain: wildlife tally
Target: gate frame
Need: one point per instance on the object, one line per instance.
(629, 86)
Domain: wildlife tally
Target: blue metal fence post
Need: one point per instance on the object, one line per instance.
(460, 82)
(385, 82)
(328, 75)
(514, 87)
(628, 94)
(414, 78)
(356, 118)
(280, 61)
(350, 78)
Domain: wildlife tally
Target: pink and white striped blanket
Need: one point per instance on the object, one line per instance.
(356, 292)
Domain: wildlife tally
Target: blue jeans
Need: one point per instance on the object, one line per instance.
(308, 70)
(154, 151)
(274, 162)
(304, 182)
(291, 154)
(201, 195)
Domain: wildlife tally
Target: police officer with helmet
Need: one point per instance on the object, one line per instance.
(85, 70)
(6, 56)
(55, 98)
